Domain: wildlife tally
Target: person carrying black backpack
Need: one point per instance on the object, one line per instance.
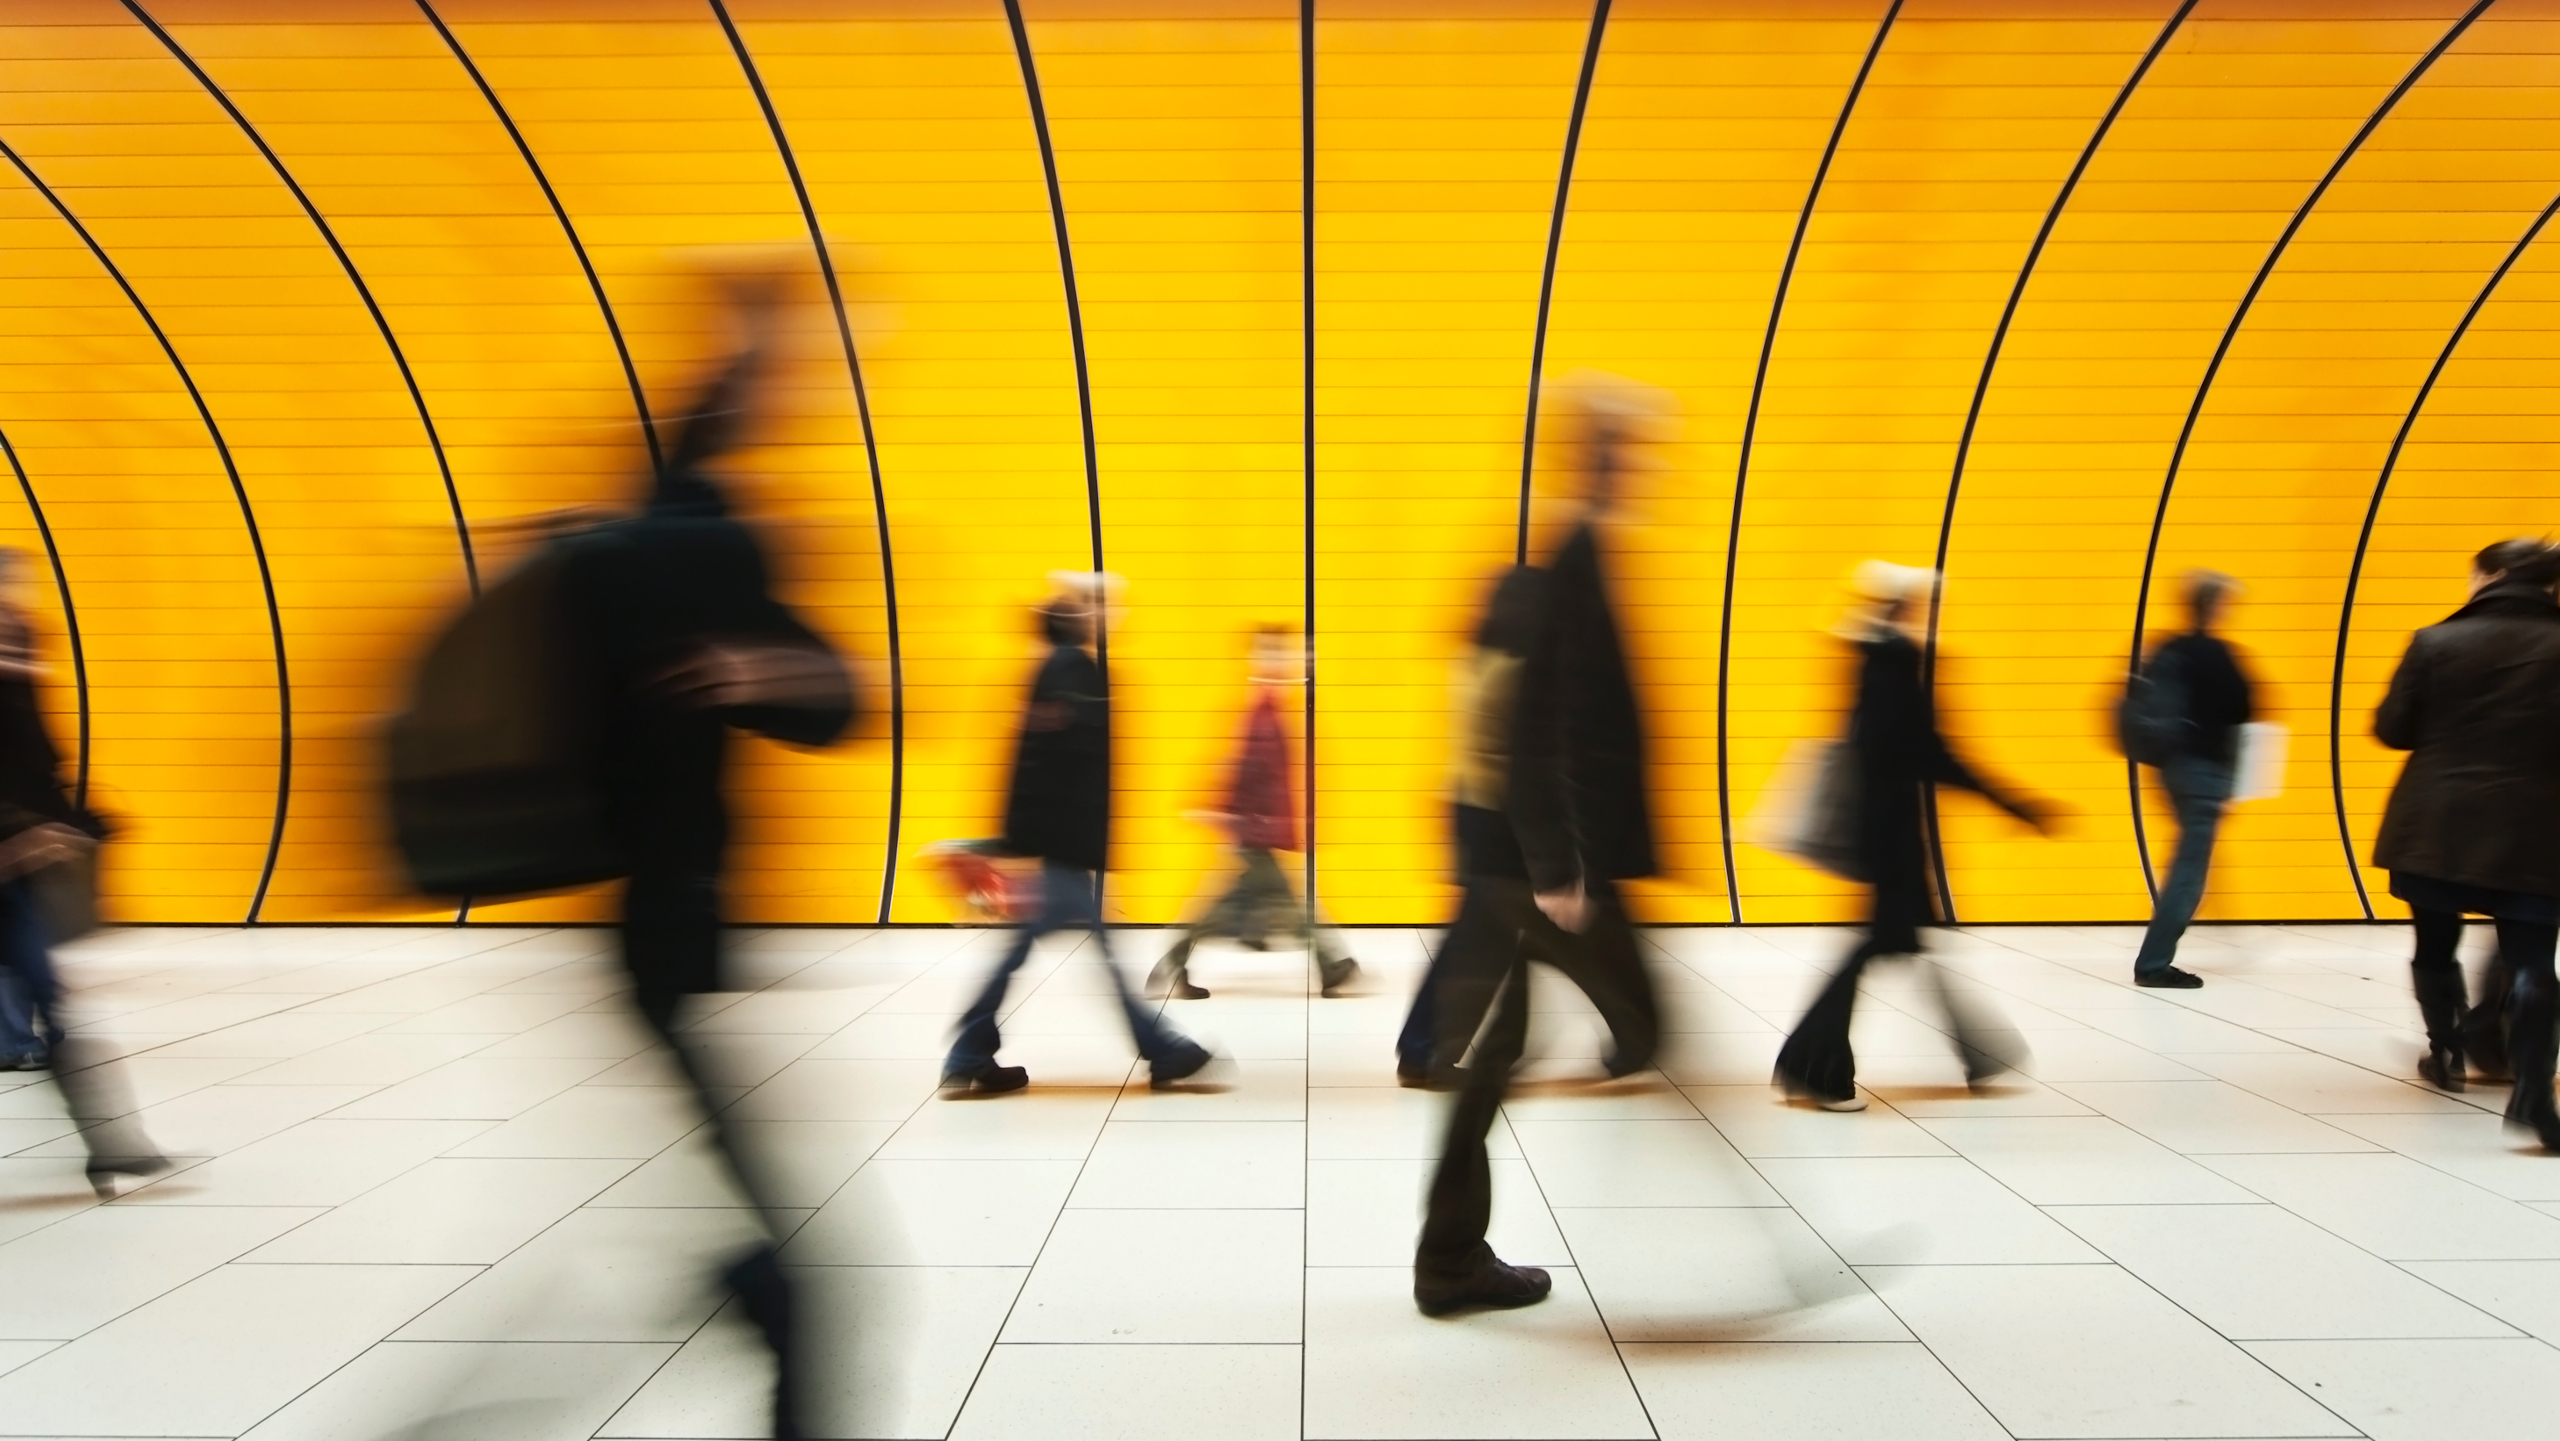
(2183, 713)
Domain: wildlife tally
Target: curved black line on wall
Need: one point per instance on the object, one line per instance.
(70, 618)
(1307, 407)
(1066, 273)
(870, 451)
(560, 212)
(346, 262)
(2213, 369)
(1750, 430)
(248, 518)
(1555, 244)
(1982, 389)
(2364, 538)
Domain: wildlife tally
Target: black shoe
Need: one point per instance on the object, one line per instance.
(1172, 978)
(764, 1293)
(1184, 1061)
(2545, 1128)
(1621, 1065)
(1495, 1285)
(988, 1081)
(1334, 975)
(2442, 1068)
(31, 1061)
(2170, 978)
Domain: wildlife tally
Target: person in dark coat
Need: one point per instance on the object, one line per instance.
(689, 643)
(1059, 810)
(2214, 700)
(1476, 952)
(2470, 827)
(1262, 815)
(1574, 819)
(40, 827)
(1893, 733)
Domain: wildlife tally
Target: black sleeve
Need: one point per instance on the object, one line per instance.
(2401, 721)
(1539, 795)
(749, 612)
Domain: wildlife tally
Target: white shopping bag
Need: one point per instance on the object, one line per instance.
(2257, 769)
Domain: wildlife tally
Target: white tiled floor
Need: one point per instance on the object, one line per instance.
(439, 1183)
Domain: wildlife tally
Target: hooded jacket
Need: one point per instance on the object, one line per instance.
(2476, 701)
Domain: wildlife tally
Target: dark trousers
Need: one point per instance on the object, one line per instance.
(1498, 916)
(1460, 1207)
(1817, 1060)
(671, 944)
(1069, 897)
(2199, 789)
(1480, 1023)
(2530, 1009)
(1259, 897)
(92, 1086)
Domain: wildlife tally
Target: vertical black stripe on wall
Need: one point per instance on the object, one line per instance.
(2204, 389)
(346, 262)
(1075, 307)
(2364, 537)
(1307, 404)
(70, 618)
(1750, 432)
(870, 451)
(1982, 389)
(1547, 279)
(239, 494)
(569, 230)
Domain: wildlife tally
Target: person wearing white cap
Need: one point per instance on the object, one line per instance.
(1893, 733)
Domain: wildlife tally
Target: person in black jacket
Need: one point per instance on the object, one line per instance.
(1550, 817)
(40, 827)
(689, 643)
(1059, 810)
(2469, 827)
(1893, 732)
(2212, 697)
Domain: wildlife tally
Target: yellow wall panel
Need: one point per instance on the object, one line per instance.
(1175, 132)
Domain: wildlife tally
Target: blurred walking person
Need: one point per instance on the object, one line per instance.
(690, 644)
(1900, 757)
(1262, 816)
(2470, 827)
(1573, 820)
(41, 830)
(1059, 811)
(2195, 698)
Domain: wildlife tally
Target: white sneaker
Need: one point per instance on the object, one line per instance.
(1852, 1102)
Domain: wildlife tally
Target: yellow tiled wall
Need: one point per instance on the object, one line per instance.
(304, 297)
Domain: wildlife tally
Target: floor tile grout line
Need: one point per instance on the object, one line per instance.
(996, 1338)
(1582, 1276)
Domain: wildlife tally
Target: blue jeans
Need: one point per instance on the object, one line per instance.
(26, 973)
(2198, 790)
(1069, 896)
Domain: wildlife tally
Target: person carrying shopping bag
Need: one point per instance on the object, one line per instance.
(1899, 756)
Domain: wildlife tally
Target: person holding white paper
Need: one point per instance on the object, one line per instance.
(2195, 679)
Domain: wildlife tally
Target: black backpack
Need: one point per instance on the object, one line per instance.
(2151, 719)
(493, 779)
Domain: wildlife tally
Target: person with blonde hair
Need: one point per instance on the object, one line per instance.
(1900, 757)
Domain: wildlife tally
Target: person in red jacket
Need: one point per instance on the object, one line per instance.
(1262, 815)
